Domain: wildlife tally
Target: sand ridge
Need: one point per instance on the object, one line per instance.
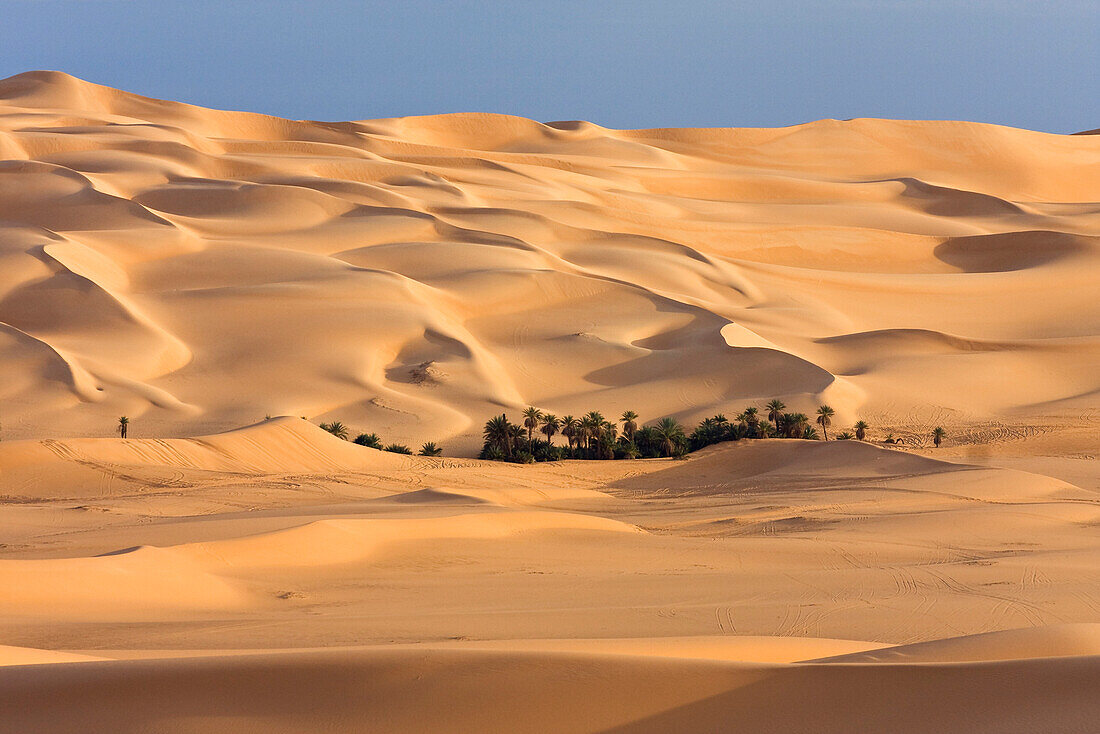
(413, 276)
(223, 570)
(327, 584)
(839, 539)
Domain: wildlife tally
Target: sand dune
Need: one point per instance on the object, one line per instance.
(277, 578)
(198, 269)
(435, 690)
(1054, 641)
(837, 540)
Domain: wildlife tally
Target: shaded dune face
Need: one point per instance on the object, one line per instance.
(199, 269)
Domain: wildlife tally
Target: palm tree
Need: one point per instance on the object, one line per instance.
(775, 411)
(845, 436)
(515, 436)
(123, 424)
(610, 429)
(498, 433)
(824, 419)
(569, 428)
(397, 448)
(861, 430)
(752, 418)
(938, 434)
(430, 449)
(605, 441)
(531, 417)
(797, 423)
(669, 433)
(370, 440)
(627, 450)
(629, 420)
(336, 428)
(584, 432)
(550, 425)
(590, 427)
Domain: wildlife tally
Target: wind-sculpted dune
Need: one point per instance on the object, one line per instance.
(219, 570)
(198, 269)
(278, 579)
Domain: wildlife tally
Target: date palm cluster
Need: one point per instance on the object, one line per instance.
(592, 436)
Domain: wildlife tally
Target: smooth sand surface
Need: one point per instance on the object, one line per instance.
(772, 585)
(198, 270)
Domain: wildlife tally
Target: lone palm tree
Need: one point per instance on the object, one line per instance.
(824, 419)
(430, 449)
(336, 428)
(629, 420)
(498, 433)
(775, 412)
(531, 418)
(669, 433)
(938, 434)
(861, 430)
(123, 424)
(550, 425)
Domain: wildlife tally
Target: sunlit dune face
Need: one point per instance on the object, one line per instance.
(203, 268)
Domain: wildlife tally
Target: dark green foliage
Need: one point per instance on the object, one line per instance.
(938, 435)
(370, 440)
(670, 437)
(626, 449)
(498, 434)
(718, 429)
(430, 449)
(397, 448)
(595, 438)
(825, 419)
(492, 453)
(336, 428)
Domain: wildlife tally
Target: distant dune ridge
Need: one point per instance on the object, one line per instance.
(197, 269)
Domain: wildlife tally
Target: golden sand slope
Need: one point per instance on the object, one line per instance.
(276, 579)
(306, 540)
(433, 690)
(197, 269)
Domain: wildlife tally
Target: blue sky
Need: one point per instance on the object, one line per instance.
(621, 64)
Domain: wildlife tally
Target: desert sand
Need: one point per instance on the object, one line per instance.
(225, 571)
